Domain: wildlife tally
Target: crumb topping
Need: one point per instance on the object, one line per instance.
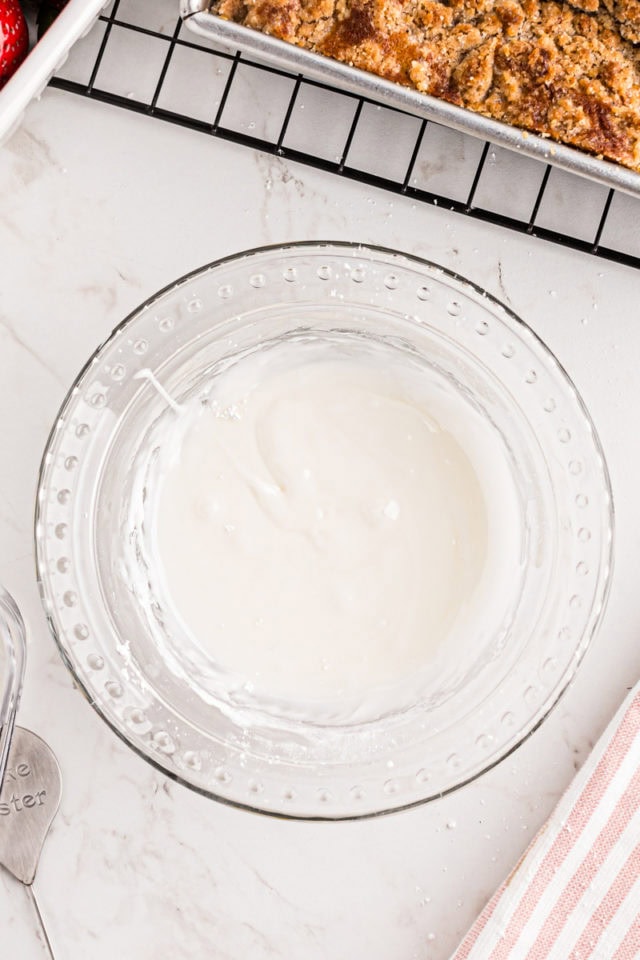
(566, 70)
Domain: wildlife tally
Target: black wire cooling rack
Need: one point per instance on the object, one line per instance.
(140, 56)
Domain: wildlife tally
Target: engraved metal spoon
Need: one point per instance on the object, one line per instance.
(30, 780)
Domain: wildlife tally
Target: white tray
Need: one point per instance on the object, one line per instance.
(45, 58)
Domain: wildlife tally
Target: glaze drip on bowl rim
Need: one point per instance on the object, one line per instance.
(493, 359)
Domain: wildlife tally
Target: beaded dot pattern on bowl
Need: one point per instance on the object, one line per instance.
(305, 285)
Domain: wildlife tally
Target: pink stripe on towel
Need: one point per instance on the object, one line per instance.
(571, 891)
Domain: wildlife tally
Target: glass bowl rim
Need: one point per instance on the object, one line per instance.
(13, 639)
(494, 305)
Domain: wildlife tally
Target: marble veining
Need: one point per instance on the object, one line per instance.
(100, 209)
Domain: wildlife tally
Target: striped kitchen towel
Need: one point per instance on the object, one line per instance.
(575, 895)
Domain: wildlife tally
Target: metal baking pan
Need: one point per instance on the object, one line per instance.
(196, 15)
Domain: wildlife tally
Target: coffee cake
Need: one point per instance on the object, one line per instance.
(569, 71)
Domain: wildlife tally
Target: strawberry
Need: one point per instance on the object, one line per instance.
(14, 38)
(49, 10)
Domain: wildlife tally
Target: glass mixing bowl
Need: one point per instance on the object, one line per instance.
(130, 658)
(12, 654)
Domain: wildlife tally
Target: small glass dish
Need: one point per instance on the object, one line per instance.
(12, 656)
(108, 632)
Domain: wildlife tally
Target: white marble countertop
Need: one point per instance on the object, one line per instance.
(99, 209)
